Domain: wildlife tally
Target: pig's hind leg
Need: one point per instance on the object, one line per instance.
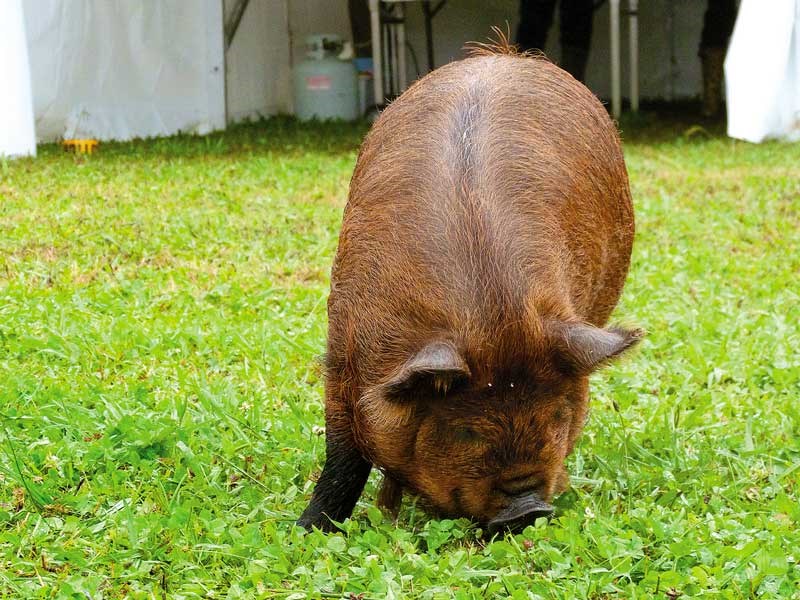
(390, 496)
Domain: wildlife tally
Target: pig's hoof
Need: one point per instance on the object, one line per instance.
(321, 522)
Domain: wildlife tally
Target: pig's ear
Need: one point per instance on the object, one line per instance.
(436, 366)
(582, 348)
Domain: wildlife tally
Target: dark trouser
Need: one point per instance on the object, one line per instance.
(575, 16)
(360, 25)
(717, 28)
(718, 24)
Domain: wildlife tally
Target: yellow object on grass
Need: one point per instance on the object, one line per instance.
(80, 146)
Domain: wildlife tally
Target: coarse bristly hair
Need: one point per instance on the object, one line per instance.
(500, 43)
(485, 243)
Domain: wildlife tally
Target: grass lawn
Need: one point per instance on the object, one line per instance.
(162, 308)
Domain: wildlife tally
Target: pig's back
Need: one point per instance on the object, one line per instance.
(491, 181)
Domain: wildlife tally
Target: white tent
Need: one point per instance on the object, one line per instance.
(16, 107)
(762, 71)
(118, 70)
(110, 69)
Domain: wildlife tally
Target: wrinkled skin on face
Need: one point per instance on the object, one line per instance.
(470, 443)
(468, 451)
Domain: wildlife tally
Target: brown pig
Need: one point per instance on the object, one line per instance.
(484, 245)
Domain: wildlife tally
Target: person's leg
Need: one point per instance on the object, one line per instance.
(576, 35)
(718, 22)
(535, 19)
(359, 23)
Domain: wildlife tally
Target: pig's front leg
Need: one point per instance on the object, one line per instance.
(341, 483)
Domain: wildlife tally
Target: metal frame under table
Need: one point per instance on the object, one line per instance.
(397, 54)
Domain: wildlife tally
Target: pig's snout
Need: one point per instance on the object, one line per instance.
(523, 510)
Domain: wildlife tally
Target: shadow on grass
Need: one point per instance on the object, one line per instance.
(664, 122)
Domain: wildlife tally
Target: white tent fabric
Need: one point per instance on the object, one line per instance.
(16, 104)
(120, 70)
(762, 71)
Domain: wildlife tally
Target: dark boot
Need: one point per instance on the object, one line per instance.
(713, 60)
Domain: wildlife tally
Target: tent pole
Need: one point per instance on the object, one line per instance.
(616, 91)
(633, 26)
(377, 66)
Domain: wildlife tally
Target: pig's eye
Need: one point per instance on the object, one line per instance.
(466, 435)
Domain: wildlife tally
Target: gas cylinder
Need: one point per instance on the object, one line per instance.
(325, 86)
